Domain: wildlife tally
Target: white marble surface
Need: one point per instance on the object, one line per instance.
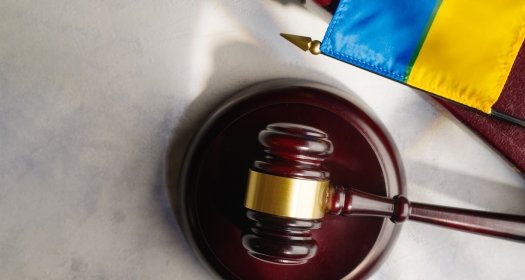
(91, 93)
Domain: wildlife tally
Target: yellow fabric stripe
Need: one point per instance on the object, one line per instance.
(469, 50)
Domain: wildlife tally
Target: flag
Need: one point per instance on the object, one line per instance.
(461, 50)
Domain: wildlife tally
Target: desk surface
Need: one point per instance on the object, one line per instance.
(92, 92)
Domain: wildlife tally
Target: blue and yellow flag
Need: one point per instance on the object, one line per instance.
(461, 50)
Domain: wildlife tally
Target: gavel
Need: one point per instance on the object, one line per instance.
(289, 192)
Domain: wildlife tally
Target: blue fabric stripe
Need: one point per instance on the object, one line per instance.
(381, 36)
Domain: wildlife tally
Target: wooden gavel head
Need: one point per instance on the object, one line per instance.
(287, 193)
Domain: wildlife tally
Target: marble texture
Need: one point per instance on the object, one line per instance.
(92, 93)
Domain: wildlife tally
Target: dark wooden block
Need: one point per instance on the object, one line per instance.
(210, 193)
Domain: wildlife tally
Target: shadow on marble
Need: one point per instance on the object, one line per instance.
(480, 192)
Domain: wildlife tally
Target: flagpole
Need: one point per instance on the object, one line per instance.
(502, 116)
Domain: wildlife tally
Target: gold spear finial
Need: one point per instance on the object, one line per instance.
(304, 43)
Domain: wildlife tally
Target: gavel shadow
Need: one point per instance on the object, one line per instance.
(483, 193)
(236, 65)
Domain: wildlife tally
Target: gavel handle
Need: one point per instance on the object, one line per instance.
(347, 201)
